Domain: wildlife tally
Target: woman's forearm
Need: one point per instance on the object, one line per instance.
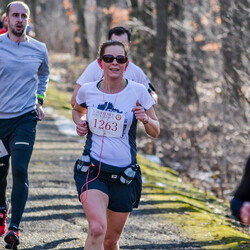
(152, 127)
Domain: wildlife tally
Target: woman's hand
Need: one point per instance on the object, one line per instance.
(140, 113)
(82, 128)
(148, 118)
(80, 119)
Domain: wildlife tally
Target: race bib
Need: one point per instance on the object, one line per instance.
(106, 123)
(3, 151)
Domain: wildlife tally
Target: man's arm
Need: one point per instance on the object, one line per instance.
(43, 79)
(73, 98)
(135, 73)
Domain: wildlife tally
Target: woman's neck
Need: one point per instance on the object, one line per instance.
(112, 86)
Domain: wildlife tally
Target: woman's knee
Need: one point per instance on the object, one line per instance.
(110, 242)
(97, 229)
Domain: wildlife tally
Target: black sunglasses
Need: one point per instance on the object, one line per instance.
(110, 59)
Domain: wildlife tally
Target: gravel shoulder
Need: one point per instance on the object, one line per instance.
(54, 219)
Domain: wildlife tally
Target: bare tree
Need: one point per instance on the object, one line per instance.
(184, 77)
(232, 48)
(143, 25)
(160, 44)
(103, 21)
(81, 46)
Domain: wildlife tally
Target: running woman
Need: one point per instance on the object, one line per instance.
(108, 177)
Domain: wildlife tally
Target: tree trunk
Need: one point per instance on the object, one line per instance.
(103, 22)
(184, 78)
(142, 29)
(83, 47)
(160, 40)
(232, 47)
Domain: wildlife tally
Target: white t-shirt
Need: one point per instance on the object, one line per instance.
(121, 151)
(94, 73)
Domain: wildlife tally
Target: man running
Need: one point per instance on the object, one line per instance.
(24, 74)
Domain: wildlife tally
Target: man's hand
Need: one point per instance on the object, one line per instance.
(245, 213)
(40, 112)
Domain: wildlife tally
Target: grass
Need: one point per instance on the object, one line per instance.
(58, 100)
(199, 215)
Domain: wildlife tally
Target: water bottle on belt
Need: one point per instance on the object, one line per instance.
(129, 174)
(83, 163)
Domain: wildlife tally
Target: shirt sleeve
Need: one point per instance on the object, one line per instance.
(143, 95)
(92, 73)
(142, 78)
(43, 74)
(145, 80)
(80, 97)
(147, 100)
(236, 205)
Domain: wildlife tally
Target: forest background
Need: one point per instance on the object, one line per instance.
(196, 54)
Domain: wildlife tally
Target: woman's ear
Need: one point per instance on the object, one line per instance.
(99, 62)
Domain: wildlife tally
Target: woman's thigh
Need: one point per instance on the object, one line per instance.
(95, 203)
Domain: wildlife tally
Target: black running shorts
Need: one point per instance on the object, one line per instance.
(122, 197)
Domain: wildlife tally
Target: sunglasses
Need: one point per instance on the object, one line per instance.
(110, 59)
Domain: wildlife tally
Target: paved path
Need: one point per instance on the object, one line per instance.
(54, 219)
